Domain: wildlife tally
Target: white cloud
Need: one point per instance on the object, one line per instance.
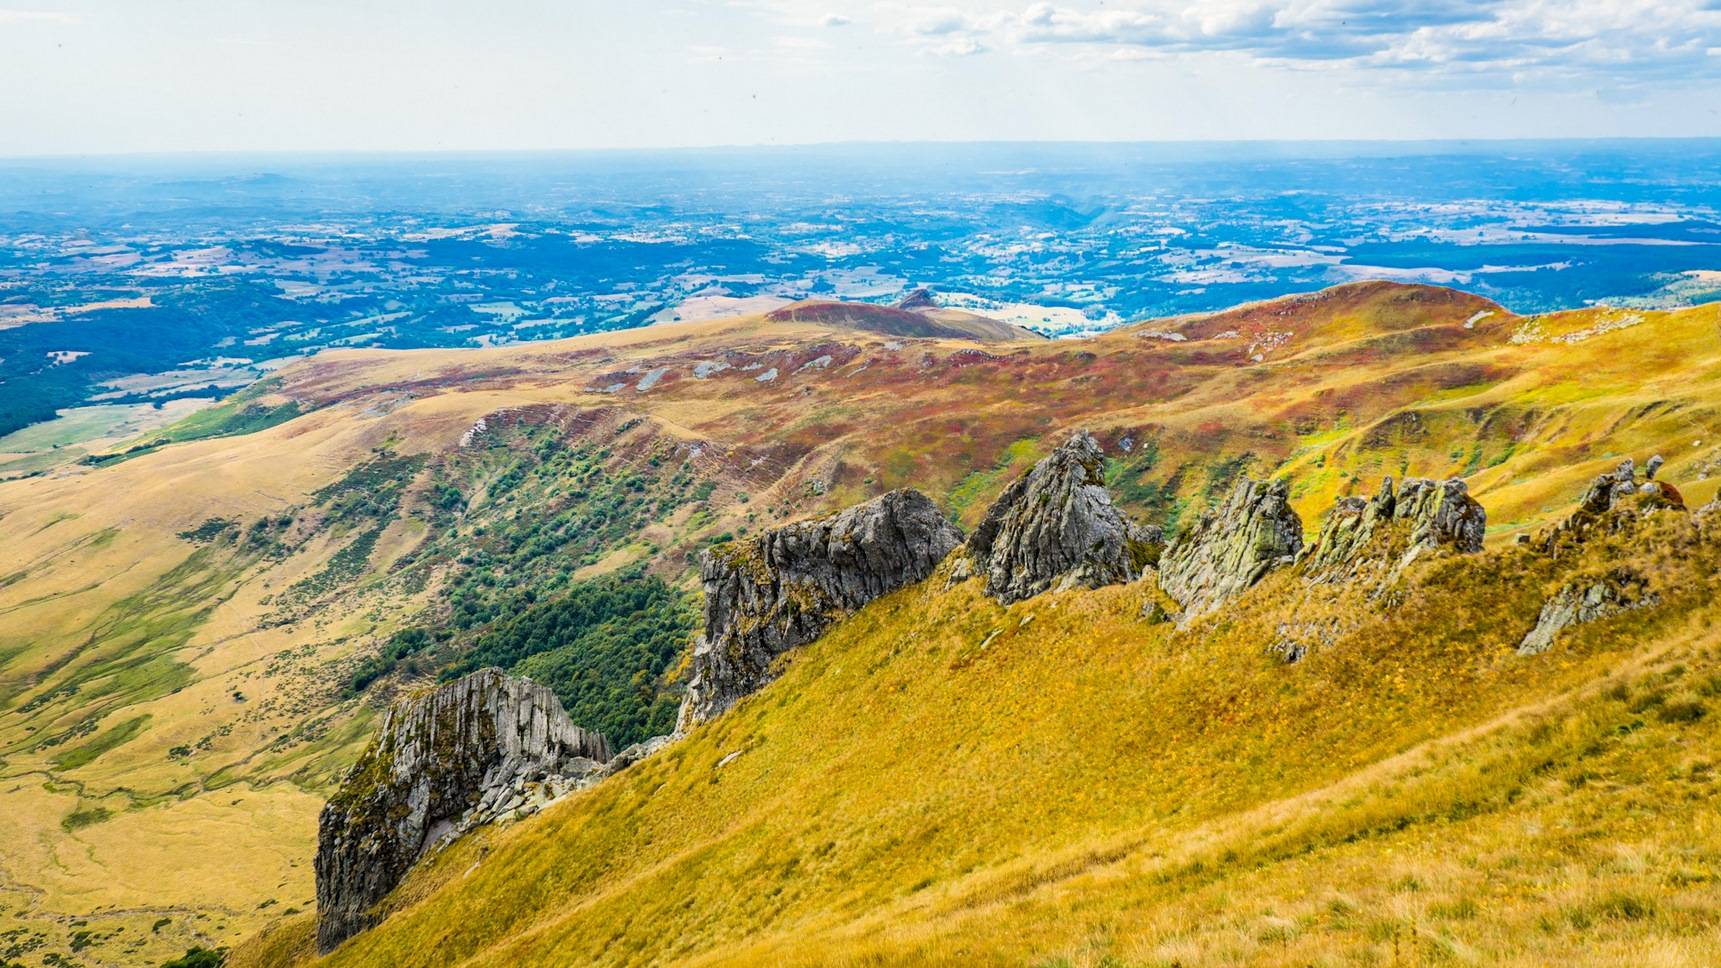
(940, 21)
(834, 20)
(1605, 38)
(958, 47)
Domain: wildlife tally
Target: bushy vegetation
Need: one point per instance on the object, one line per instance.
(604, 646)
(184, 324)
(368, 499)
(545, 506)
(199, 958)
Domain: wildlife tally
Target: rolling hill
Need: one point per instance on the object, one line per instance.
(199, 635)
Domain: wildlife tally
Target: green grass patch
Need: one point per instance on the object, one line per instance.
(238, 416)
(118, 736)
(79, 819)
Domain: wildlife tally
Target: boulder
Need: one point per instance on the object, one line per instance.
(1231, 547)
(1586, 600)
(1436, 514)
(483, 747)
(767, 594)
(641, 750)
(1056, 528)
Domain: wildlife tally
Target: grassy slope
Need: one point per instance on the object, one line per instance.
(1090, 787)
(1370, 379)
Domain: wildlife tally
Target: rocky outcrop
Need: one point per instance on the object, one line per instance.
(1586, 600)
(770, 593)
(1614, 503)
(483, 747)
(1611, 515)
(917, 301)
(1231, 547)
(1436, 514)
(1056, 528)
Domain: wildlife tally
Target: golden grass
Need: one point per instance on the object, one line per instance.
(1089, 789)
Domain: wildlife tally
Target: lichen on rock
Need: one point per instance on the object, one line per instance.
(783, 588)
(486, 746)
(1231, 547)
(1055, 528)
(1353, 543)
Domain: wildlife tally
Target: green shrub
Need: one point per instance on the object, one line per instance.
(199, 957)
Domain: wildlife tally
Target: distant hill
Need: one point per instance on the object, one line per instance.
(923, 319)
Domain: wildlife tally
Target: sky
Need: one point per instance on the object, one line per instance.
(117, 76)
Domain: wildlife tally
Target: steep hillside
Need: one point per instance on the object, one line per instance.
(1067, 781)
(198, 635)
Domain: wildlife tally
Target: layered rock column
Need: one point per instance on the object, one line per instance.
(783, 588)
(1439, 514)
(442, 760)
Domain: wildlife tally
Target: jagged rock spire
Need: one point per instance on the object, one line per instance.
(1615, 501)
(1231, 547)
(782, 588)
(444, 759)
(1056, 528)
(1439, 514)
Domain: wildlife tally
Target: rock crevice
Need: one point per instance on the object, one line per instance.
(480, 748)
(783, 588)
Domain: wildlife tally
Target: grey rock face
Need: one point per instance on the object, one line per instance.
(486, 746)
(1608, 489)
(1231, 547)
(1056, 528)
(1585, 601)
(1442, 514)
(1439, 514)
(770, 593)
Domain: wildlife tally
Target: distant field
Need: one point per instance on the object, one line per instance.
(81, 431)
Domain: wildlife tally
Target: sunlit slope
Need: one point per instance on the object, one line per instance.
(1352, 382)
(174, 702)
(941, 780)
